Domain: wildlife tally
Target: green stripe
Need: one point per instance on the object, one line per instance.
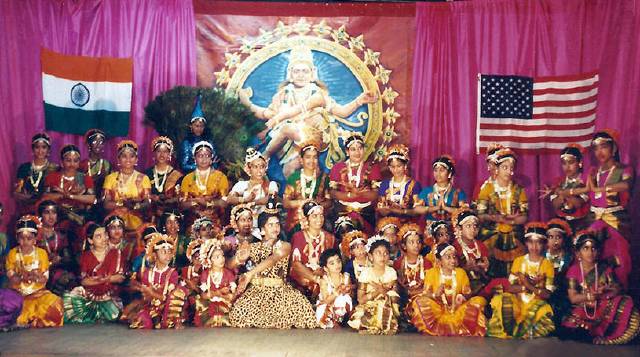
(77, 121)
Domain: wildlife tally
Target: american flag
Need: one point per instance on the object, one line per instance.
(536, 115)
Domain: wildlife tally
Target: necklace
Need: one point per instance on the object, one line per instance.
(55, 241)
(526, 263)
(448, 291)
(397, 190)
(585, 286)
(440, 191)
(557, 260)
(214, 279)
(468, 251)
(124, 183)
(300, 95)
(504, 195)
(35, 263)
(92, 164)
(39, 171)
(156, 173)
(202, 184)
(414, 272)
(315, 247)
(307, 189)
(570, 181)
(64, 178)
(354, 179)
(600, 172)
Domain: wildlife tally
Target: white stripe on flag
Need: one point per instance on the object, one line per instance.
(110, 96)
(533, 122)
(539, 145)
(542, 84)
(533, 133)
(571, 109)
(565, 97)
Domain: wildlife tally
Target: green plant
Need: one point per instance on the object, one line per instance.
(231, 125)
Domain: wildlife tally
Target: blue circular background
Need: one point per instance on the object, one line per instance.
(342, 84)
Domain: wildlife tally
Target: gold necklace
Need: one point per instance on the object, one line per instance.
(202, 184)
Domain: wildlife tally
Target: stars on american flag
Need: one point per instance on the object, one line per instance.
(506, 97)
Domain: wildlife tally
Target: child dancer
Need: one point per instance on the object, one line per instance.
(353, 248)
(217, 287)
(446, 307)
(163, 296)
(334, 301)
(411, 266)
(377, 311)
(101, 270)
(523, 311)
(600, 313)
(28, 272)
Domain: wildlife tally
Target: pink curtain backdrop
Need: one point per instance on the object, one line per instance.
(158, 34)
(455, 42)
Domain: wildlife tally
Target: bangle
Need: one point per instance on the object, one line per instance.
(349, 194)
(524, 288)
(571, 192)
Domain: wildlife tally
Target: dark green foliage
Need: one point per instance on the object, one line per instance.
(230, 124)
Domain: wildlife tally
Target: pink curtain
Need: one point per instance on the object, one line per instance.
(456, 41)
(158, 34)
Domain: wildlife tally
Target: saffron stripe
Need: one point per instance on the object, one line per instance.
(81, 68)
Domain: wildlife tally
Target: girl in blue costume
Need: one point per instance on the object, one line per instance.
(398, 196)
(198, 133)
(442, 198)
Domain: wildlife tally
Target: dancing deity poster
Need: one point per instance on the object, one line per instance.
(313, 72)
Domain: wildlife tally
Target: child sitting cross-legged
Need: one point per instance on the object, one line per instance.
(217, 287)
(334, 302)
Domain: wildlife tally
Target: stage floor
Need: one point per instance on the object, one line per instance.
(118, 340)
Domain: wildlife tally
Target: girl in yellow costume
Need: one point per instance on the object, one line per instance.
(202, 191)
(502, 208)
(377, 311)
(28, 272)
(523, 311)
(126, 191)
(445, 308)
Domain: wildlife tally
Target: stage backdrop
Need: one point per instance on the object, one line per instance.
(157, 34)
(353, 48)
(455, 42)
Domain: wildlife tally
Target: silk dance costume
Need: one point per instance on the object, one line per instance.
(351, 179)
(502, 239)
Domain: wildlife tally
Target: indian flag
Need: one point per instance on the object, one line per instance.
(81, 93)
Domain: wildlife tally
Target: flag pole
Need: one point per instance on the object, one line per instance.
(478, 118)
